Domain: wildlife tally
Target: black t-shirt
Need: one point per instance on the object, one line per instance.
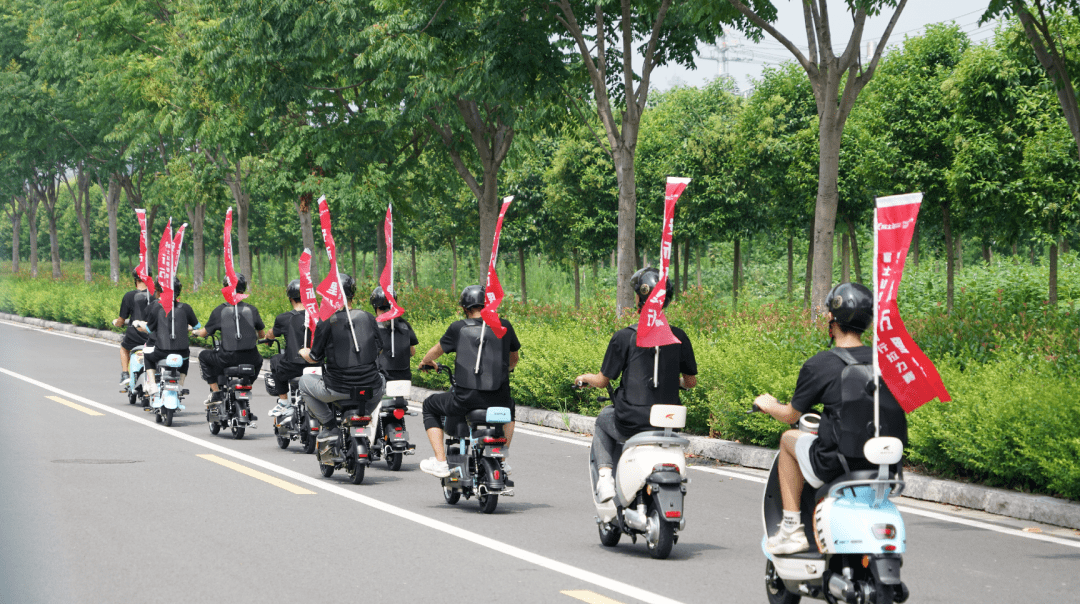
(182, 312)
(675, 359)
(282, 322)
(402, 332)
(133, 307)
(360, 375)
(213, 324)
(480, 399)
(819, 383)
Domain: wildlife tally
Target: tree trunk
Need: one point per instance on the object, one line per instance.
(949, 262)
(736, 264)
(285, 267)
(197, 218)
(686, 265)
(809, 266)
(1054, 66)
(829, 135)
(595, 277)
(697, 262)
(577, 281)
(673, 274)
(258, 265)
(1053, 273)
(242, 197)
(453, 271)
(415, 274)
(845, 259)
(790, 265)
(32, 201)
(112, 208)
(1031, 255)
(303, 210)
(352, 254)
(84, 214)
(54, 239)
(613, 259)
(855, 257)
(16, 226)
(1064, 245)
(521, 262)
(626, 247)
(380, 253)
(987, 253)
(363, 265)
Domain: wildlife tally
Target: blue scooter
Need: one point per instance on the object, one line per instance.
(167, 401)
(856, 534)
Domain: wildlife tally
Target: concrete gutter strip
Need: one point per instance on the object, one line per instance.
(1023, 506)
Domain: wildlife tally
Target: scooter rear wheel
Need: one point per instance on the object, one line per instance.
(309, 444)
(775, 589)
(393, 461)
(214, 426)
(238, 432)
(450, 495)
(665, 536)
(166, 416)
(488, 503)
(609, 534)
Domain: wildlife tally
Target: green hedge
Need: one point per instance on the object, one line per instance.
(1014, 420)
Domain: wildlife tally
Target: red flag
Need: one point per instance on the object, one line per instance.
(387, 278)
(653, 328)
(307, 294)
(166, 258)
(143, 269)
(229, 291)
(178, 241)
(493, 291)
(908, 373)
(333, 295)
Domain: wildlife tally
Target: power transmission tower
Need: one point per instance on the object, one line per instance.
(727, 50)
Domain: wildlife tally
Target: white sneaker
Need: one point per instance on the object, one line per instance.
(279, 409)
(506, 467)
(151, 388)
(605, 489)
(784, 542)
(435, 467)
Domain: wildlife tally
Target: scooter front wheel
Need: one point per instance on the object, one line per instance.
(609, 534)
(664, 531)
(775, 588)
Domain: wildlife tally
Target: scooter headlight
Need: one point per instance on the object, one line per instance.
(884, 531)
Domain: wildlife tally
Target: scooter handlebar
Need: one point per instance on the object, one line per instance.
(754, 409)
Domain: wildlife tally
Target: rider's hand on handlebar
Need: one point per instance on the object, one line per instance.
(429, 366)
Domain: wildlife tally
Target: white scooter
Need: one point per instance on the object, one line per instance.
(855, 532)
(650, 484)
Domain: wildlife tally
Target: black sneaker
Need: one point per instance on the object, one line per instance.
(327, 434)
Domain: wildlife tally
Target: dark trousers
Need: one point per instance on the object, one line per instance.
(212, 363)
(606, 438)
(283, 372)
(150, 360)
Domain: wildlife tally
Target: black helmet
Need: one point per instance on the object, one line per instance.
(241, 282)
(851, 306)
(643, 283)
(472, 296)
(176, 286)
(292, 290)
(378, 299)
(348, 285)
(135, 275)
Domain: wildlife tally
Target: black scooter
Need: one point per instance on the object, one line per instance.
(234, 410)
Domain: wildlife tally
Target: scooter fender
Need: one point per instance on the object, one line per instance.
(636, 465)
(886, 568)
(668, 494)
(494, 478)
(845, 524)
(170, 400)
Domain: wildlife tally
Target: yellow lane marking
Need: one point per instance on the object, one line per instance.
(277, 482)
(588, 596)
(86, 410)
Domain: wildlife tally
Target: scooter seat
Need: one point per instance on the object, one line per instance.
(240, 371)
(655, 437)
(477, 416)
(855, 475)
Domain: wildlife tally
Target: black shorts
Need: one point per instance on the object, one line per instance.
(448, 408)
(130, 342)
(151, 359)
(212, 363)
(283, 372)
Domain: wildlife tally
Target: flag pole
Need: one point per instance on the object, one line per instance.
(352, 330)
(874, 338)
(480, 349)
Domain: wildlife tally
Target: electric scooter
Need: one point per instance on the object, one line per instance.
(390, 439)
(293, 422)
(168, 399)
(856, 534)
(650, 484)
(136, 390)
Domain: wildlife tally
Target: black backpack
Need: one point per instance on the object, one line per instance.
(856, 421)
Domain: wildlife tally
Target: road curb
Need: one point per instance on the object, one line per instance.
(1023, 506)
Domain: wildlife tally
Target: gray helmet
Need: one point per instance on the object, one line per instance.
(644, 281)
(378, 299)
(851, 306)
(348, 285)
(292, 290)
(472, 296)
(241, 282)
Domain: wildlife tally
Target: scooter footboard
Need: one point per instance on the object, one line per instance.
(667, 495)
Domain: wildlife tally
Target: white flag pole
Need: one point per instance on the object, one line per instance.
(874, 339)
(480, 350)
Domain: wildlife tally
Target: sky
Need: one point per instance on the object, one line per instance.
(746, 59)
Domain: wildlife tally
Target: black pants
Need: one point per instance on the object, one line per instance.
(213, 363)
(284, 371)
(150, 360)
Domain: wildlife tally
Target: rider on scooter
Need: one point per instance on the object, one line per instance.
(400, 346)
(629, 412)
(288, 365)
(168, 334)
(490, 387)
(815, 457)
(132, 307)
(239, 341)
(345, 369)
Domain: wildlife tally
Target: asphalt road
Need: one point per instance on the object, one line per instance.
(99, 504)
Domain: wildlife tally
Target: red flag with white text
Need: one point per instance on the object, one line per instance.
(493, 291)
(166, 258)
(143, 269)
(653, 328)
(229, 291)
(387, 278)
(333, 295)
(307, 295)
(907, 371)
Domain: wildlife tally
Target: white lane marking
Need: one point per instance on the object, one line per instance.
(574, 441)
(29, 327)
(492, 544)
(730, 474)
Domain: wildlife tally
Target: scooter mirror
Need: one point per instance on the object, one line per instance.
(883, 450)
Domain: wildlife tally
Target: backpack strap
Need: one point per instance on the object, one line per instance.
(844, 355)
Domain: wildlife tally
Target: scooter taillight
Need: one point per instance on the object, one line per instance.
(884, 531)
(243, 387)
(491, 440)
(673, 514)
(399, 414)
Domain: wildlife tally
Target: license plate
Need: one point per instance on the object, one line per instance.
(359, 431)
